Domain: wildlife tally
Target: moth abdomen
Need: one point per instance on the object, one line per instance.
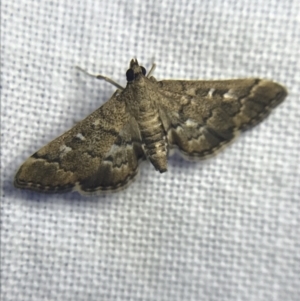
(156, 151)
(153, 138)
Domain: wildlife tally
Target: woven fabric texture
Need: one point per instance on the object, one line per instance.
(223, 229)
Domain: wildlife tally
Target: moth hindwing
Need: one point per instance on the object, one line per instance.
(145, 120)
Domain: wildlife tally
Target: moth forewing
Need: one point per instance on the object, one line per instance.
(145, 120)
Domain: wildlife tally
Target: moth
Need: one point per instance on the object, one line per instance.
(145, 121)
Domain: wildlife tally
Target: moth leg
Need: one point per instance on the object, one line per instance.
(99, 76)
(151, 70)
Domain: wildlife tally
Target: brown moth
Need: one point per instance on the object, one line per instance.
(145, 120)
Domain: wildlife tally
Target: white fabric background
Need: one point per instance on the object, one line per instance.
(224, 229)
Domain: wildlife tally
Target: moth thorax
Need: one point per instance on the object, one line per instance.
(153, 138)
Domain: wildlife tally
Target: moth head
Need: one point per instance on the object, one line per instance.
(135, 71)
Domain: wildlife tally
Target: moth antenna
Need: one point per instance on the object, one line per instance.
(99, 76)
(151, 70)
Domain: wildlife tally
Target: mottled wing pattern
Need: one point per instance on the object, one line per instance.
(201, 117)
(105, 148)
(119, 166)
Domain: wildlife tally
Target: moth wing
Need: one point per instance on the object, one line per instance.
(119, 166)
(100, 153)
(201, 117)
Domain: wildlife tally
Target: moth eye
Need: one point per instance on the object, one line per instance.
(143, 70)
(130, 75)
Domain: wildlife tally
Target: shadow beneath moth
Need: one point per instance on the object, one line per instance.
(145, 121)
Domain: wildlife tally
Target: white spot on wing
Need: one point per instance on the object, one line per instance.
(119, 148)
(80, 136)
(64, 150)
(96, 122)
(211, 92)
(191, 123)
(230, 95)
(184, 100)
